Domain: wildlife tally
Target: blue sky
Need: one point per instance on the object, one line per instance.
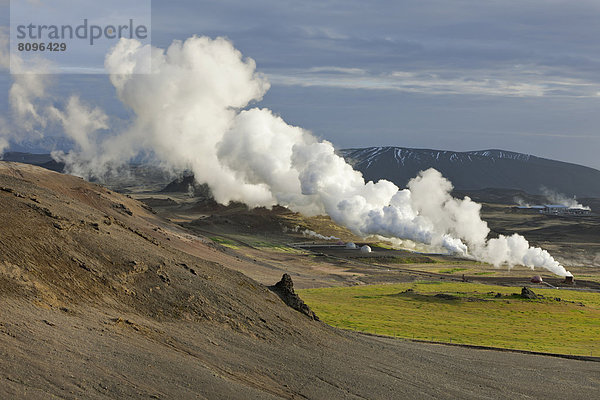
(457, 75)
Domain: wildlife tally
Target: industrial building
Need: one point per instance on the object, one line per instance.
(554, 209)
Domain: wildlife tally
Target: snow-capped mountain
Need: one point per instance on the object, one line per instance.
(473, 170)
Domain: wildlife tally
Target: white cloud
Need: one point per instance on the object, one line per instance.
(339, 70)
(4, 48)
(492, 83)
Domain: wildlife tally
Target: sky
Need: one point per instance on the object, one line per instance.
(443, 74)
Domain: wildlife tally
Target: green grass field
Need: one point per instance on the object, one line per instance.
(276, 247)
(467, 314)
(224, 242)
(451, 270)
(408, 259)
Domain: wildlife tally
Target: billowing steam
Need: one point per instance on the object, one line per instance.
(521, 202)
(554, 197)
(191, 113)
(32, 110)
(310, 234)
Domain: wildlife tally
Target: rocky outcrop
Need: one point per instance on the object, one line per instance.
(527, 293)
(285, 290)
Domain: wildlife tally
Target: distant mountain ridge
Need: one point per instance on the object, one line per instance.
(476, 170)
(41, 160)
(468, 171)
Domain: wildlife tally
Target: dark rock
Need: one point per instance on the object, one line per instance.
(122, 208)
(498, 295)
(188, 184)
(164, 277)
(527, 293)
(446, 296)
(285, 290)
(148, 208)
(44, 211)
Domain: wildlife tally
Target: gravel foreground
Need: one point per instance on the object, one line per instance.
(100, 298)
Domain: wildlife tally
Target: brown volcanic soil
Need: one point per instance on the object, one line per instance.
(100, 298)
(260, 241)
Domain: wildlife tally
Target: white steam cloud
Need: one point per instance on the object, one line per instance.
(29, 85)
(521, 202)
(561, 199)
(191, 113)
(32, 110)
(309, 233)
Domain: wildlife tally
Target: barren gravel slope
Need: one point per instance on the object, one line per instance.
(99, 298)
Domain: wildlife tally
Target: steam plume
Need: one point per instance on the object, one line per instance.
(28, 85)
(561, 199)
(309, 233)
(191, 113)
(521, 202)
(32, 110)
